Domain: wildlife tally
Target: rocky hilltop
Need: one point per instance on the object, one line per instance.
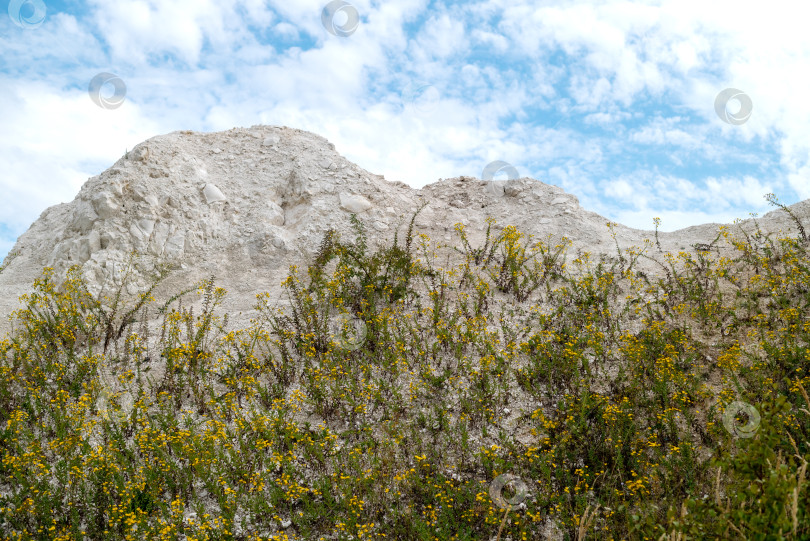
(245, 204)
(451, 376)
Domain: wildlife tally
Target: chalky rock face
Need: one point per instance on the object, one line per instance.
(245, 204)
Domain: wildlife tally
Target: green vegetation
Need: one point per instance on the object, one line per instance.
(695, 426)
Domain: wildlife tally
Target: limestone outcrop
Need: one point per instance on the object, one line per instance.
(245, 204)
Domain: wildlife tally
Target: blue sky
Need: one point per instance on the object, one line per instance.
(613, 101)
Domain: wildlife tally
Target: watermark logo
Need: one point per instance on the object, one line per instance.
(106, 101)
(421, 97)
(730, 419)
(111, 407)
(348, 332)
(27, 13)
(106, 401)
(496, 491)
(329, 16)
(498, 166)
(721, 103)
(495, 168)
(108, 411)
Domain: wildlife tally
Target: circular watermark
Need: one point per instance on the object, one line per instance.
(108, 411)
(732, 425)
(347, 331)
(421, 96)
(498, 166)
(721, 103)
(494, 168)
(497, 486)
(329, 12)
(105, 403)
(106, 101)
(27, 13)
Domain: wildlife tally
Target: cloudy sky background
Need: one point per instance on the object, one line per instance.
(613, 101)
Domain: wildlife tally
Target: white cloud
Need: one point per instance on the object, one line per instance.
(497, 41)
(619, 189)
(671, 220)
(747, 191)
(443, 36)
(661, 131)
(136, 29)
(58, 141)
(286, 30)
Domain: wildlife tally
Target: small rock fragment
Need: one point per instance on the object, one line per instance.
(84, 218)
(105, 206)
(159, 239)
(354, 203)
(139, 154)
(512, 189)
(494, 188)
(275, 214)
(94, 241)
(175, 246)
(213, 194)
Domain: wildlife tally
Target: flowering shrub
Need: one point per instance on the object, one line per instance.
(512, 361)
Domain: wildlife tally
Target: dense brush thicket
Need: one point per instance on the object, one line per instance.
(499, 397)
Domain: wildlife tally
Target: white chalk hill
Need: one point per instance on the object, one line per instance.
(245, 204)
